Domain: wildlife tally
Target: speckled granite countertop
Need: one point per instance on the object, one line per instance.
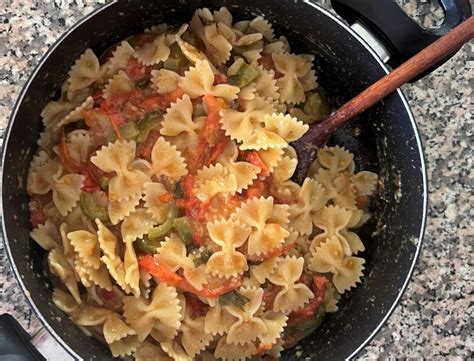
(434, 319)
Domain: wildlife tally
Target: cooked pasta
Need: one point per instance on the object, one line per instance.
(161, 191)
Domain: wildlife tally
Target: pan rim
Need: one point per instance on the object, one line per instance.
(325, 12)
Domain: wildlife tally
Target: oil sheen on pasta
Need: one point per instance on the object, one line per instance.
(161, 191)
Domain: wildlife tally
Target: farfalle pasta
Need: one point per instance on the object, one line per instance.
(162, 194)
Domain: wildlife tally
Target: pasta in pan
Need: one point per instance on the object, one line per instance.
(161, 191)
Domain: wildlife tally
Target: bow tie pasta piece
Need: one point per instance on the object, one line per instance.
(266, 84)
(86, 246)
(42, 173)
(228, 235)
(55, 111)
(79, 144)
(218, 320)
(331, 298)
(241, 125)
(338, 188)
(365, 183)
(109, 246)
(136, 225)
(60, 267)
(149, 352)
(293, 295)
(64, 301)
(275, 322)
(335, 222)
(172, 253)
(119, 209)
(91, 277)
(165, 81)
(194, 339)
(116, 157)
(75, 114)
(277, 46)
(244, 172)
(259, 24)
(330, 257)
(248, 327)
(119, 59)
(232, 352)
(262, 271)
(213, 180)
(287, 127)
(199, 80)
(84, 72)
(175, 351)
(271, 157)
(167, 161)
(223, 15)
(179, 120)
(67, 191)
(153, 52)
(120, 83)
(46, 235)
(143, 315)
(311, 198)
(217, 46)
(192, 53)
(47, 140)
(268, 223)
(334, 159)
(117, 334)
(153, 204)
(297, 78)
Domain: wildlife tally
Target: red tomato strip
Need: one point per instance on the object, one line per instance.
(163, 274)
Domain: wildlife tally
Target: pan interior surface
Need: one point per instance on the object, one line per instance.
(384, 140)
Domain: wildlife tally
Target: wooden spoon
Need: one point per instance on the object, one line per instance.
(318, 133)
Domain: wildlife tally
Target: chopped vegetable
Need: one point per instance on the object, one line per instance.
(316, 106)
(183, 228)
(36, 211)
(233, 298)
(147, 245)
(244, 76)
(127, 131)
(149, 122)
(163, 274)
(176, 61)
(104, 182)
(213, 133)
(142, 84)
(239, 50)
(254, 158)
(111, 299)
(178, 190)
(165, 228)
(190, 38)
(197, 307)
(201, 256)
(91, 210)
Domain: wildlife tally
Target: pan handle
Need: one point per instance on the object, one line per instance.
(399, 33)
(15, 342)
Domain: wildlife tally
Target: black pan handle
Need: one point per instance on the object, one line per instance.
(399, 33)
(15, 342)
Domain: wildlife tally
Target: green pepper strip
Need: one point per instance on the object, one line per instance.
(239, 50)
(163, 229)
(91, 209)
(245, 75)
(147, 245)
(183, 228)
(150, 121)
(129, 131)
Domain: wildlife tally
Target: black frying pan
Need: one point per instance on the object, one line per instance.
(388, 144)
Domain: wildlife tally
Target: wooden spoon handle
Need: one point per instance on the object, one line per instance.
(404, 73)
